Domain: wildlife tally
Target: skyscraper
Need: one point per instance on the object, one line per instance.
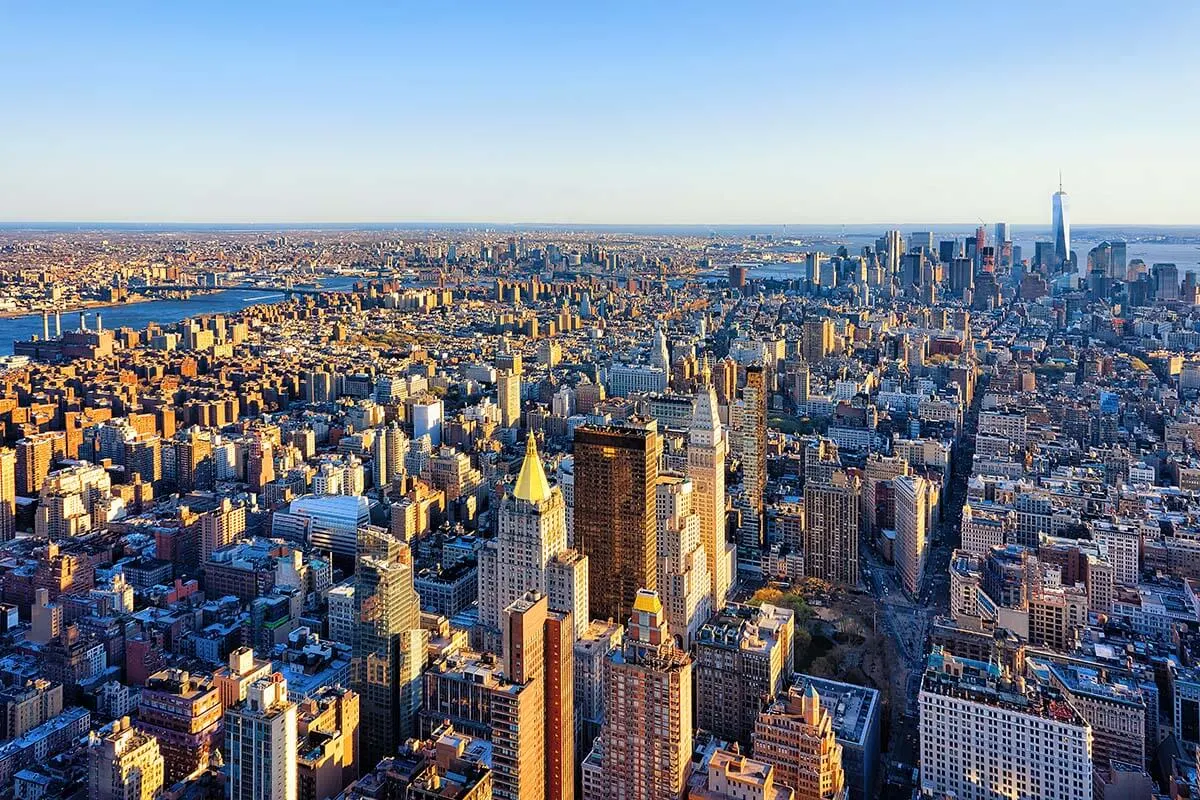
(537, 654)
(1002, 234)
(683, 579)
(753, 435)
(831, 530)
(1119, 262)
(531, 533)
(524, 664)
(615, 474)
(743, 658)
(260, 737)
(985, 734)
(796, 736)
(817, 339)
(589, 661)
(660, 352)
(559, 655)
(389, 652)
(396, 448)
(508, 394)
(707, 450)
(35, 454)
(124, 764)
(893, 248)
(646, 743)
(521, 704)
(1061, 227)
(8, 494)
(911, 496)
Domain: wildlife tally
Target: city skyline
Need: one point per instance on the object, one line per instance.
(717, 477)
(769, 115)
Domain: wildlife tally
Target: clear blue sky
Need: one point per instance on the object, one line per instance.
(599, 111)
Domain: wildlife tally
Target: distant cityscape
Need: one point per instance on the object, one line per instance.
(559, 512)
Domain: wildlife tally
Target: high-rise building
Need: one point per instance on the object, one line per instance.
(475, 694)
(615, 474)
(567, 582)
(1166, 284)
(645, 747)
(193, 460)
(660, 351)
(524, 632)
(560, 705)
(1061, 227)
(260, 461)
(921, 240)
(396, 445)
(1116, 708)
(743, 658)
(35, 455)
(379, 462)
(911, 497)
(986, 734)
(233, 681)
(796, 736)
(531, 532)
(260, 737)
(8, 494)
(707, 451)
(183, 713)
(893, 247)
(737, 276)
(876, 473)
(23, 708)
(816, 340)
(73, 501)
(591, 658)
(1003, 234)
(389, 652)
(327, 729)
(427, 420)
(752, 432)
(538, 654)
(683, 579)
(1119, 261)
(508, 398)
(831, 529)
(124, 764)
(221, 526)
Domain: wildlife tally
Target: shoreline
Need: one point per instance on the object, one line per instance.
(98, 304)
(193, 292)
(75, 309)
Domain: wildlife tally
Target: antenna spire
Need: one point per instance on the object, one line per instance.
(1060, 180)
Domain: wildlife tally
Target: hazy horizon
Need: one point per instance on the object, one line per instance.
(801, 227)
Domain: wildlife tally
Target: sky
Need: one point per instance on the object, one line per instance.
(599, 112)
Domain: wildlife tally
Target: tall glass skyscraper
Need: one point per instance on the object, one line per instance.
(1061, 227)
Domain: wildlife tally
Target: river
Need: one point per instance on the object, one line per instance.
(164, 312)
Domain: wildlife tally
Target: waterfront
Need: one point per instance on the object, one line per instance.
(140, 314)
(1185, 256)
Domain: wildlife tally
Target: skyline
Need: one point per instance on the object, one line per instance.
(621, 116)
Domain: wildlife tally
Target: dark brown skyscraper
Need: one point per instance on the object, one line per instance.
(615, 527)
(752, 434)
